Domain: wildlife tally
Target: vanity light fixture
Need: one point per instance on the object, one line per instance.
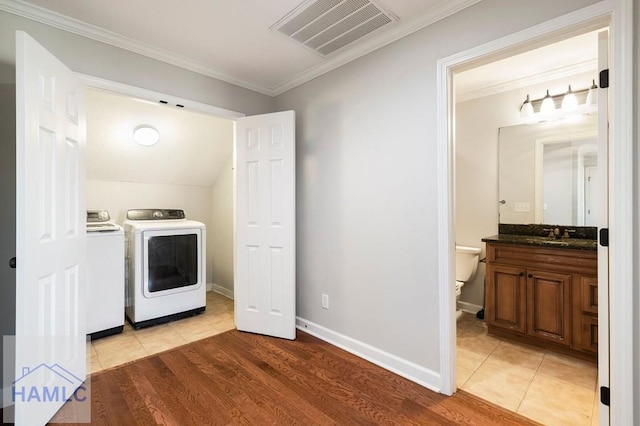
(146, 135)
(552, 107)
(548, 105)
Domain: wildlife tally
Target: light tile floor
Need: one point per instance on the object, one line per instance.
(133, 344)
(549, 388)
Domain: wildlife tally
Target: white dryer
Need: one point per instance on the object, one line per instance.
(105, 275)
(165, 257)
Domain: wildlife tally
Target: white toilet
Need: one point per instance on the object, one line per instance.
(466, 266)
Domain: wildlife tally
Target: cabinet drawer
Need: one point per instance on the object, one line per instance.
(589, 333)
(561, 260)
(589, 295)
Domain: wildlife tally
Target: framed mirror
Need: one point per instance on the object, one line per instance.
(547, 172)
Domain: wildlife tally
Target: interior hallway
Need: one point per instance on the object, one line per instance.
(550, 388)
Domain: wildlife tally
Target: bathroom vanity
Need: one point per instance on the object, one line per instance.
(543, 290)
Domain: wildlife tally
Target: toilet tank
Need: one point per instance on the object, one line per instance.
(466, 262)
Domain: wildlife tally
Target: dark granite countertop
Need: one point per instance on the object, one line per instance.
(531, 240)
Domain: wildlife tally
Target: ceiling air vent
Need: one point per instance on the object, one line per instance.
(325, 26)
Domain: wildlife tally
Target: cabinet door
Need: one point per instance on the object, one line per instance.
(548, 306)
(506, 297)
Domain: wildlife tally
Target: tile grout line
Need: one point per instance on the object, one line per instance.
(532, 379)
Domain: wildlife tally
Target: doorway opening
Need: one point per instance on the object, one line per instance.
(191, 168)
(501, 178)
(614, 357)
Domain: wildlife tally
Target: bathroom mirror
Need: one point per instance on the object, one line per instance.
(547, 172)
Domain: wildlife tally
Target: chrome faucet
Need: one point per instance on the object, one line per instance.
(553, 232)
(567, 231)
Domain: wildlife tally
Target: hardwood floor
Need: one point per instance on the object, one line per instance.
(242, 378)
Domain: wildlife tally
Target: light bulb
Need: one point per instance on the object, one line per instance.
(548, 105)
(569, 102)
(526, 110)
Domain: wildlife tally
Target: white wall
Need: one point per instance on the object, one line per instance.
(220, 235)
(367, 187)
(477, 129)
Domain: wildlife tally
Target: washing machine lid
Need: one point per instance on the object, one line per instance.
(100, 221)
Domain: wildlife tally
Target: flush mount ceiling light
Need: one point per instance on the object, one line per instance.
(146, 135)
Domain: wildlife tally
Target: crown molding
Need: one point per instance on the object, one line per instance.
(72, 25)
(530, 80)
(402, 29)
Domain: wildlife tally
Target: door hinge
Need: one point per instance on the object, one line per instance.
(605, 395)
(604, 237)
(604, 79)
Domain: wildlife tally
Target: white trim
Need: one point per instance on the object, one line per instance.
(402, 367)
(402, 29)
(446, 231)
(470, 308)
(153, 96)
(220, 290)
(619, 14)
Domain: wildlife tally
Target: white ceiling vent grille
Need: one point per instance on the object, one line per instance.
(325, 26)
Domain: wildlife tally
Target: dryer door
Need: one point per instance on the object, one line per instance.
(172, 261)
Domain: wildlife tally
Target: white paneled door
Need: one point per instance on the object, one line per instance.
(265, 251)
(50, 234)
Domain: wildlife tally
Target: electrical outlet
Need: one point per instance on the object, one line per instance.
(325, 301)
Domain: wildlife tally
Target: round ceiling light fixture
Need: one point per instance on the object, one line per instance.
(146, 135)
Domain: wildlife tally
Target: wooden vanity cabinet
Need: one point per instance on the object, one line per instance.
(544, 296)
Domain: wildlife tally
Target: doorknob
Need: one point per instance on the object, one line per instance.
(12, 263)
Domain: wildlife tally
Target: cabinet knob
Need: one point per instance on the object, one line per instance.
(530, 276)
(521, 274)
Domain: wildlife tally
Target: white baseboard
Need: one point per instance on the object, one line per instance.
(407, 369)
(220, 290)
(468, 307)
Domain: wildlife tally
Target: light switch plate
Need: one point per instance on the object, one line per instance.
(522, 207)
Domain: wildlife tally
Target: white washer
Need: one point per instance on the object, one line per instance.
(105, 275)
(165, 256)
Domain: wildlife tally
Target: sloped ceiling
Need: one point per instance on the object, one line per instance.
(192, 149)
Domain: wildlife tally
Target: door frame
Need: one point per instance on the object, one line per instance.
(617, 14)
